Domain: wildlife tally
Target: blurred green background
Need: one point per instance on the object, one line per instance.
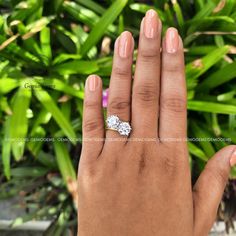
(49, 47)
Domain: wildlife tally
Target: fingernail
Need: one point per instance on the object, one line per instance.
(125, 44)
(93, 82)
(172, 40)
(151, 24)
(233, 159)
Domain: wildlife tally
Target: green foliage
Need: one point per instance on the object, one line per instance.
(47, 49)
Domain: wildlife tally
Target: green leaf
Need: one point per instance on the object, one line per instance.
(226, 96)
(58, 226)
(59, 85)
(6, 149)
(218, 108)
(196, 151)
(215, 125)
(204, 12)
(179, 14)
(211, 19)
(232, 122)
(229, 135)
(80, 13)
(66, 109)
(92, 6)
(47, 101)
(14, 50)
(29, 43)
(39, 24)
(57, 5)
(98, 30)
(143, 8)
(76, 125)
(43, 117)
(19, 121)
(4, 106)
(200, 50)
(65, 57)
(45, 45)
(76, 67)
(35, 171)
(169, 14)
(198, 67)
(36, 140)
(219, 77)
(228, 8)
(86, 16)
(68, 39)
(204, 142)
(219, 41)
(47, 160)
(7, 84)
(64, 162)
(38, 133)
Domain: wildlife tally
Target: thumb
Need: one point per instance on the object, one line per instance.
(209, 188)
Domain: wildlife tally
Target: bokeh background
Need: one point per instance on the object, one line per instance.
(49, 47)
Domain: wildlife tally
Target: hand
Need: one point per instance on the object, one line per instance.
(143, 187)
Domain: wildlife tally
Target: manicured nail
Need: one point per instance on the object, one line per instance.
(93, 82)
(125, 44)
(233, 159)
(151, 24)
(172, 40)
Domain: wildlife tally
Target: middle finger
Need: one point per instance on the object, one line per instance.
(146, 86)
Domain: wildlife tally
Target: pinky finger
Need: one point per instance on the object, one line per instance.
(93, 122)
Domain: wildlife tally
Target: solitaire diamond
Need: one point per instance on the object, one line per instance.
(124, 128)
(113, 122)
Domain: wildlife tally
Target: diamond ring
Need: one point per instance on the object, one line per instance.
(114, 123)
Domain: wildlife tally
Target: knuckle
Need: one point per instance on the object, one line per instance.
(173, 68)
(149, 55)
(90, 104)
(86, 170)
(175, 104)
(146, 93)
(170, 165)
(172, 162)
(92, 125)
(122, 72)
(86, 177)
(119, 105)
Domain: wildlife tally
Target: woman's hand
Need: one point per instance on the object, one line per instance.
(141, 185)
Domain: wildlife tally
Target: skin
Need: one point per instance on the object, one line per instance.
(131, 187)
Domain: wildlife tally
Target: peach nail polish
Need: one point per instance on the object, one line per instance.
(151, 24)
(125, 44)
(233, 159)
(93, 82)
(172, 40)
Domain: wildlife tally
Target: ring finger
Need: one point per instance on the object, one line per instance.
(120, 84)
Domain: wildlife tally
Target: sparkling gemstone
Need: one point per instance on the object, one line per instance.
(124, 128)
(113, 122)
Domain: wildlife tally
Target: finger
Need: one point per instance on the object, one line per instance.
(93, 122)
(209, 188)
(173, 99)
(147, 77)
(121, 77)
